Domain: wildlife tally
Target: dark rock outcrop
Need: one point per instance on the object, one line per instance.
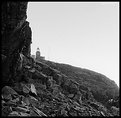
(16, 37)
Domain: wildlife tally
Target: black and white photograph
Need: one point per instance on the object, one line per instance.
(60, 59)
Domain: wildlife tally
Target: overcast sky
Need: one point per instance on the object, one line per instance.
(82, 34)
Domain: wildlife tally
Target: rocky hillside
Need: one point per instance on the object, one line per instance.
(44, 88)
(102, 87)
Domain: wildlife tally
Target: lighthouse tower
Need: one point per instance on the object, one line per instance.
(38, 53)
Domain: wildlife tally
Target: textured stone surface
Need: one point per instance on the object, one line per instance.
(16, 37)
(8, 92)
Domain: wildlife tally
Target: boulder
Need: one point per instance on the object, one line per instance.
(3, 102)
(8, 92)
(57, 77)
(24, 114)
(6, 110)
(14, 113)
(15, 100)
(21, 109)
(33, 89)
(26, 89)
(26, 101)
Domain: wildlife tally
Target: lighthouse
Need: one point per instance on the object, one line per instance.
(38, 55)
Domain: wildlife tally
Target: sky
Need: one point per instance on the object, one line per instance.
(82, 34)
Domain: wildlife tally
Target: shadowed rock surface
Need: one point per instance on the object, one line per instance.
(45, 88)
(16, 37)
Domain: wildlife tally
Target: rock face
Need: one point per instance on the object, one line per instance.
(42, 95)
(16, 37)
(32, 88)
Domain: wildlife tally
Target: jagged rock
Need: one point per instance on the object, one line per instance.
(23, 104)
(26, 89)
(33, 98)
(33, 101)
(8, 92)
(30, 100)
(14, 113)
(21, 61)
(13, 102)
(57, 77)
(102, 113)
(33, 89)
(6, 110)
(10, 103)
(45, 68)
(26, 101)
(70, 86)
(3, 102)
(24, 114)
(21, 109)
(7, 97)
(40, 113)
(33, 113)
(24, 60)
